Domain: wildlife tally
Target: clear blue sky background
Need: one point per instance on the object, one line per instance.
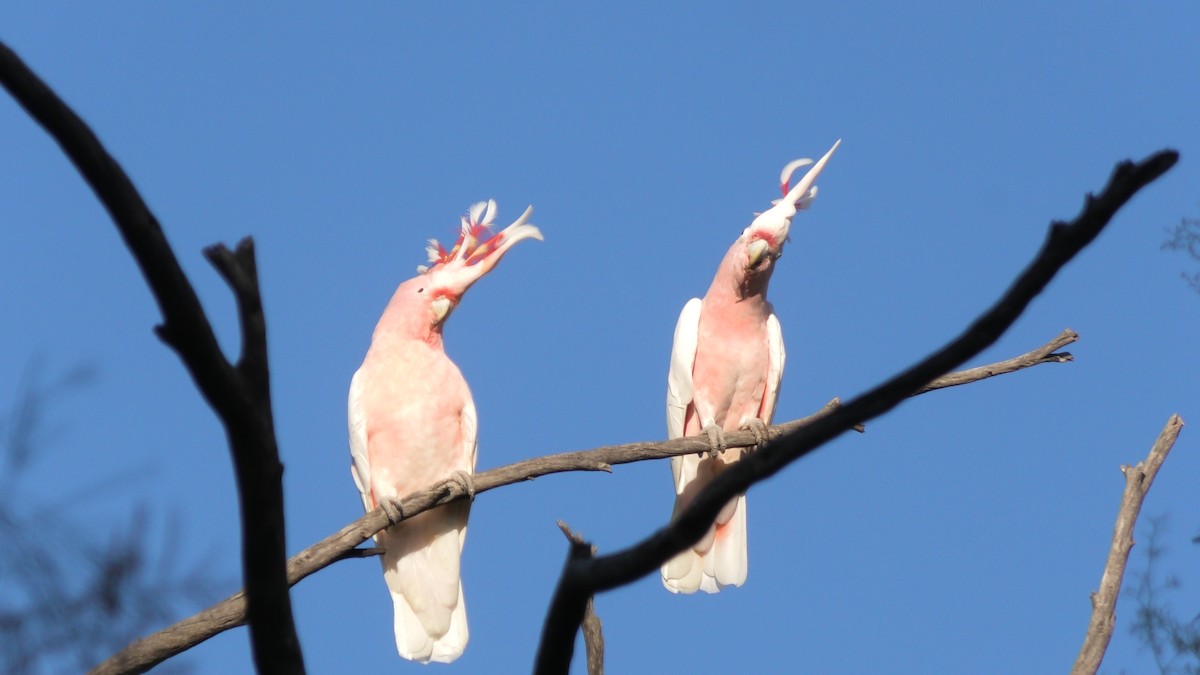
(962, 533)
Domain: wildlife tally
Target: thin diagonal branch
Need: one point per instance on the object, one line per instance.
(583, 577)
(231, 612)
(1104, 602)
(1047, 353)
(239, 395)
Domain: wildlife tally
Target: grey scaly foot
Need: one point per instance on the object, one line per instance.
(716, 440)
(466, 482)
(393, 509)
(759, 429)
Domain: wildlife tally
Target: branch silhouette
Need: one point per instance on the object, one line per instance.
(585, 575)
(593, 630)
(231, 612)
(239, 394)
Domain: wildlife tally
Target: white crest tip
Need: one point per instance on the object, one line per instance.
(790, 168)
(524, 217)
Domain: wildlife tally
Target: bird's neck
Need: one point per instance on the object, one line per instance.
(736, 287)
(397, 325)
(737, 293)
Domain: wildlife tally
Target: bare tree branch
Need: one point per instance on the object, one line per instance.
(231, 612)
(240, 395)
(593, 639)
(1104, 602)
(586, 575)
(593, 631)
(1047, 353)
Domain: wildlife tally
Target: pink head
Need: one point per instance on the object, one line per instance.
(767, 233)
(442, 283)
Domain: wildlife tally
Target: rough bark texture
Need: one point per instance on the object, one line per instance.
(1104, 601)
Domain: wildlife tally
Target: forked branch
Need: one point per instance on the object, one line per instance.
(239, 394)
(584, 576)
(231, 612)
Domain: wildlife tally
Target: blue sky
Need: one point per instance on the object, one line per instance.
(961, 533)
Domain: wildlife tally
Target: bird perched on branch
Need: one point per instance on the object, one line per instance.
(412, 425)
(726, 364)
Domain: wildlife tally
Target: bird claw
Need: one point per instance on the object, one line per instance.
(466, 482)
(716, 440)
(759, 429)
(393, 510)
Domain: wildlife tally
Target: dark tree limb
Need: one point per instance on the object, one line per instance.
(584, 576)
(239, 394)
(231, 612)
(593, 630)
(1104, 601)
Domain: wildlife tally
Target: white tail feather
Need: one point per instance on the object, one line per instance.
(720, 558)
(421, 568)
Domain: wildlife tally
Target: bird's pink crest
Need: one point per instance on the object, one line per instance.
(475, 238)
(468, 243)
(475, 225)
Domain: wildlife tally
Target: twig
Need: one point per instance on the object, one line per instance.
(1104, 602)
(1047, 353)
(583, 576)
(593, 638)
(593, 630)
(153, 649)
(240, 395)
(356, 553)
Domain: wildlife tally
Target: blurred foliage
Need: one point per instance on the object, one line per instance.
(1186, 237)
(1174, 642)
(73, 591)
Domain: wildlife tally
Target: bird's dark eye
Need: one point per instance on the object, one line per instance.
(420, 290)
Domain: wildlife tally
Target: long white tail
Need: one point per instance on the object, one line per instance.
(421, 568)
(719, 559)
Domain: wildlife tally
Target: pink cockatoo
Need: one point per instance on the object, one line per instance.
(726, 364)
(412, 425)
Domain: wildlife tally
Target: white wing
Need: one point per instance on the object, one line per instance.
(470, 432)
(775, 358)
(683, 358)
(360, 467)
